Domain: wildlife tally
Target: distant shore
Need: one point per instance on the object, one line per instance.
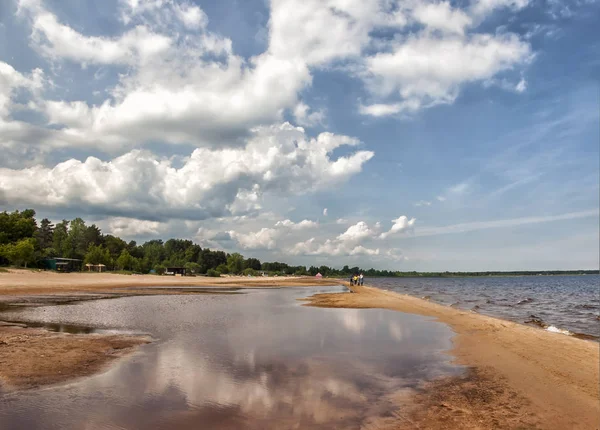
(518, 377)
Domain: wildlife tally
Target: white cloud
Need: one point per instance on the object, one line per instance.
(131, 227)
(426, 70)
(460, 188)
(302, 225)
(401, 225)
(330, 248)
(358, 232)
(480, 8)
(441, 198)
(186, 85)
(380, 109)
(303, 116)
(278, 160)
(441, 16)
(423, 203)
(472, 226)
(178, 89)
(265, 238)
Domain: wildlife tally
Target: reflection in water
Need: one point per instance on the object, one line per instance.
(257, 360)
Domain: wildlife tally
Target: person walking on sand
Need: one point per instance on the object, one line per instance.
(361, 279)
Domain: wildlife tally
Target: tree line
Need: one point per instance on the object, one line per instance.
(25, 243)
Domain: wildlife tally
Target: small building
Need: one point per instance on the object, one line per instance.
(63, 264)
(95, 267)
(318, 276)
(175, 271)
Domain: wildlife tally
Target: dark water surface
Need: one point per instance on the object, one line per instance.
(256, 360)
(570, 303)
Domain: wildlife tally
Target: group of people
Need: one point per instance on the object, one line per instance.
(357, 279)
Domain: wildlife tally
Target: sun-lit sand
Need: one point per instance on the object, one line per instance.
(518, 371)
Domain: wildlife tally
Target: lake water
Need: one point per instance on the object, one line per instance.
(256, 360)
(570, 303)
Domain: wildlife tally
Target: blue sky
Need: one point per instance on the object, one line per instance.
(409, 135)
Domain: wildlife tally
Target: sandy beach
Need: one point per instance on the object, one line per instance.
(25, 282)
(517, 376)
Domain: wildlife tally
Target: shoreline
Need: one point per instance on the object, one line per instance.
(23, 282)
(522, 377)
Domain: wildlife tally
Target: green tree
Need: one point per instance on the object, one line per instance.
(125, 261)
(44, 236)
(16, 225)
(92, 236)
(235, 263)
(115, 245)
(213, 273)
(192, 267)
(76, 240)
(97, 254)
(24, 251)
(7, 253)
(249, 271)
(222, 268)
(59, 237)
(252, 263)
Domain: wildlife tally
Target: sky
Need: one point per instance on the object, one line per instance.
(405, 135)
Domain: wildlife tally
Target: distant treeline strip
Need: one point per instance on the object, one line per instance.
(25, 243)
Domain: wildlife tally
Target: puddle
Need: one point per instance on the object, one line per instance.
(257, 360)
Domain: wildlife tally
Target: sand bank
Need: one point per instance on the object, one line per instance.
(32, 357)
(519, 377)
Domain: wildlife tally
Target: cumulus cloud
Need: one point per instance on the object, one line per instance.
(358, 232)
(265, 238)
(330, 248)
(305, 117)
(302, 225)
(428, 69)
(278, 159)
(358, 239)
(186, 85)
(401, 225)
(131, 227)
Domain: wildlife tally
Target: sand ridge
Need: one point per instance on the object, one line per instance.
(552, 379)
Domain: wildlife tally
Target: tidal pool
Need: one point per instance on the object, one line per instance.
(257, 360)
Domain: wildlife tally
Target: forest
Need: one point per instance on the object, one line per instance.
(25, 243)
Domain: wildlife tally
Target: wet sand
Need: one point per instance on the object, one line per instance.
(33, 357)
(520, 377)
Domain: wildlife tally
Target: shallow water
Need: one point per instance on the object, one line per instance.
(256, 360)
(565, 302)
